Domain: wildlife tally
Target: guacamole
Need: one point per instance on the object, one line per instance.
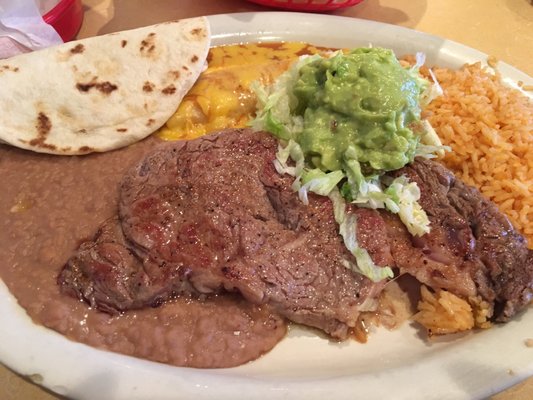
(343, 121)
(364, 100)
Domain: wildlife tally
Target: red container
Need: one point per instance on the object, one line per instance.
(308, 5)
(65, 18)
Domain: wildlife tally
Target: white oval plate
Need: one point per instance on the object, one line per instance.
(399, 364)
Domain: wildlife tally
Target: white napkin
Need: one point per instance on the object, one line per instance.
(22, 28)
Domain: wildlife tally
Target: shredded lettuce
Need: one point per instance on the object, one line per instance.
(294, 151)
(275, 103)
(433, 91)
(348, 230)
(430, 145)
(374, 196)
(356, 180)
(365, 191)
(321, 183)
(402, 199)
(430, 90)
(314, 180)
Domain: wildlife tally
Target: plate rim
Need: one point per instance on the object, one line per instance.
(225, 383)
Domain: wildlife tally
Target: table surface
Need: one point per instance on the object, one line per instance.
(501, 28)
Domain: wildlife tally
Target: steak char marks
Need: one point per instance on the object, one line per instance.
(212, 215)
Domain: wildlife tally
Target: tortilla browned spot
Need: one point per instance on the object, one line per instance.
(122, 130)
(148, 44)
(43, 127)
(103, 87)
(40, 143)
(8, 68)
(196, 31)
(170, 89)
(43, 124)
(194, 59)
(175, 74)
(86, 149)
(124, 43)
(150, 122)
(148, 86)
(79, 48)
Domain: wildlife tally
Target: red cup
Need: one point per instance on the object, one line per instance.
(65, 18)
(308, 5)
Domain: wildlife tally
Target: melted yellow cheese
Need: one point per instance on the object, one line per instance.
(221, 97)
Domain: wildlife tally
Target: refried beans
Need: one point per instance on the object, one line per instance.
(49, 205)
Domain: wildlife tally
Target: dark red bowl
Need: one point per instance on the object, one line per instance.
(65, 18)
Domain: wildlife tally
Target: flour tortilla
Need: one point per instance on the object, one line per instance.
(101, 93)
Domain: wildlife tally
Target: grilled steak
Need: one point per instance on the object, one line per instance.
(212, 215)
(472, 248)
